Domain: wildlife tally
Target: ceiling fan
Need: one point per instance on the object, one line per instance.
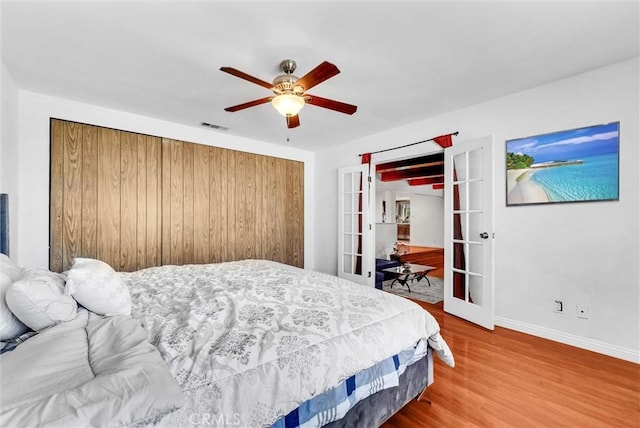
(290, 92)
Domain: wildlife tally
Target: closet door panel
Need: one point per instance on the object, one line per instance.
(219, 204)
(128, 201)
(104, 196)
(56, 229)
(231, 205)
(295, 214)
(201, 204)
(89, 191)
(72, 204)
(188, 211)
(245, 192)
(141, 201)
(173, 194)
(263, 192)
(108, 219)
(152, 173)
(278, 211)
(165, 190)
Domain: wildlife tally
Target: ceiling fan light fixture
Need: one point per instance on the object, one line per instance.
(288, 104)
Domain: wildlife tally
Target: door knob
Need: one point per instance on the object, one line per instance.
(484, 235)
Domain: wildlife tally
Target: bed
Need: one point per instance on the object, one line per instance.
(259, 343)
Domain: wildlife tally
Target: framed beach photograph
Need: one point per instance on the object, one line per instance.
(575, 165)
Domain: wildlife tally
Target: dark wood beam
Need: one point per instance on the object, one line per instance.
(426, 180)
(404, 174)
(428, 160)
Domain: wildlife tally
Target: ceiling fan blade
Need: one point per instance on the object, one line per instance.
(293, 121)
(332, 104)
(249, 104)
(245, 76)
(322, 72)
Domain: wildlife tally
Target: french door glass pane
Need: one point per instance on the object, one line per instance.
(356, 247)
(348, 265)
(461, 188)
(348, 203)
(348, 247)
(474, 259)
(475, 164)
(460, 163)
(459, 285)
(476, 226)
(475, 195)
(475, 290)
(348, 223)
(348, 183)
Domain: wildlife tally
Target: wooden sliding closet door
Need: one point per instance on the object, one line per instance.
(221, 205)
(136, 201)
(105, 196)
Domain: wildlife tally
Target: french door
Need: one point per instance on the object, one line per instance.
(355, 260)
(468, 225)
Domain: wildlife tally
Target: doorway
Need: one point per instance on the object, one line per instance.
(468, 217)
(409, 211)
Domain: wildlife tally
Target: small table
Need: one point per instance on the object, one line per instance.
(403, 275)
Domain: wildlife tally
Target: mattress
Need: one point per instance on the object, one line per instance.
(335, 403)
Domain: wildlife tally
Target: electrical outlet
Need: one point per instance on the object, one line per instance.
(582, 312)
(557, 306)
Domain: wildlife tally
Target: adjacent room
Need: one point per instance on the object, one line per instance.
(320, 213)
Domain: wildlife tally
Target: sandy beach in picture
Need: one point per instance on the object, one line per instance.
(521, 189)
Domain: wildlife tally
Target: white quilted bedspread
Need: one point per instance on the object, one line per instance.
(249, 341)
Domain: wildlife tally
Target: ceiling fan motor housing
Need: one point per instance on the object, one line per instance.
(285, 83)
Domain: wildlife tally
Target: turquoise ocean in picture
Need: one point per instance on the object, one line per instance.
(594, 179)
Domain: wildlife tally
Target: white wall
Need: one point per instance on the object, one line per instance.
(9, 152)
(386, 238)
(35, 110)
(427, 221)
(389, 198)
(582, 253)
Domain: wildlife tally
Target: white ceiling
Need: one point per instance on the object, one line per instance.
(400, 62)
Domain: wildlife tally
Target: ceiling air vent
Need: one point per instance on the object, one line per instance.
(214, 126)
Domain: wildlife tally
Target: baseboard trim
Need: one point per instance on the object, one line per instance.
(571, 339)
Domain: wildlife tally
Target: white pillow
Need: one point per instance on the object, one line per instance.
(9, 268)
(97, 287)
(10, 326)
(38, 299)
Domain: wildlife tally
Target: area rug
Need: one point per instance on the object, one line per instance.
(419, 290)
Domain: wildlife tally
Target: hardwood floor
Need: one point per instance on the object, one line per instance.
(509, 379)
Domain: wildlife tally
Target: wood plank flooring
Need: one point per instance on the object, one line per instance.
(509, 379)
